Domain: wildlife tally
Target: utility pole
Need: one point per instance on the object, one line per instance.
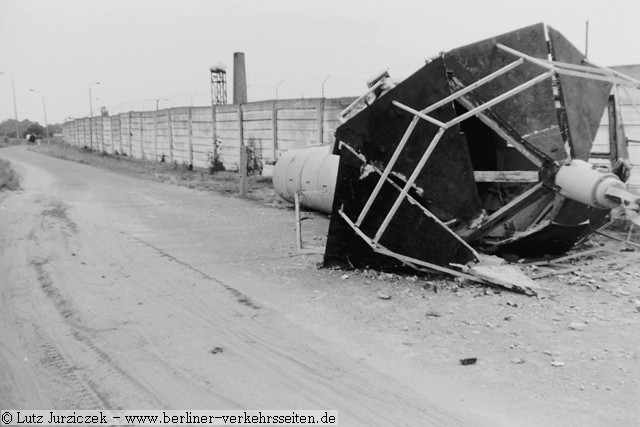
(44, 108)
(15, 108)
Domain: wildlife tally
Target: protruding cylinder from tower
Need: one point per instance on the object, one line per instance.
(239, 79)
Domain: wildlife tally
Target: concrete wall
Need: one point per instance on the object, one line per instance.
(186, 134)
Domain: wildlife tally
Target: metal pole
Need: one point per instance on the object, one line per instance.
(586, 40)
(44, 109)
(15, 108)
(277, 86)
(323, 82)
(91, 114)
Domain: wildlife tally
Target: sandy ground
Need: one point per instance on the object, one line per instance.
(117, 292)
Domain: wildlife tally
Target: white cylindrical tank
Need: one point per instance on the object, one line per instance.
(312, 172)
(580, 182)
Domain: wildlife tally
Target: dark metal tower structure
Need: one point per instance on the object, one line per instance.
(218, 84)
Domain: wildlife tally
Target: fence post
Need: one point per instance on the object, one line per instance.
(120, 133)
(102, 124)
(242, 167)
(274, 128)
(170, 129)
(214, 133)
(190, 121)
(320, 119)
(155, 135)
(113, 138)
(130, 136)
(142, 135)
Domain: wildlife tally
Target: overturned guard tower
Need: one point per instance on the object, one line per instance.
(482, 149)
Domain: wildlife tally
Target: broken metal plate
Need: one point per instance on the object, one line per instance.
(446, 210)
(446, 185)
(584, 100)
(532, 113)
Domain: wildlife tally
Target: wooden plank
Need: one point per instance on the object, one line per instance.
(506, 176)
(510, 208)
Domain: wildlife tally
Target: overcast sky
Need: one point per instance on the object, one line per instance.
(143, 50)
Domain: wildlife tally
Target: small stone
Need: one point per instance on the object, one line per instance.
(383, 295)
(344, 277)
(367, 282)
(577, 326)
(518, 361)
(468, 361)
(405, 328)
(433, 314)
(557, 363)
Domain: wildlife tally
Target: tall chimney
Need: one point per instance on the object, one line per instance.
(239, 79)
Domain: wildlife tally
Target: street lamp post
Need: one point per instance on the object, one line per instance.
(15, 108)
(44, 108)
(91, 114)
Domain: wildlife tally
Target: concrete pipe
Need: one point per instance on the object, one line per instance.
(311, 172)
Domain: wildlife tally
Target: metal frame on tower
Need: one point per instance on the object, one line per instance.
(218, 85)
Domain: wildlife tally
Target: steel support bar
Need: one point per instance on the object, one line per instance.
(408, 260)
(523, 200)
(535, 158)
(409, 183)
(500, 98)
(473, 86)
(387, 170)
(419, 114)
(635, 82)
(426, 211)
(402, 258)
(613, 80)
(354, 103)
(558, 67)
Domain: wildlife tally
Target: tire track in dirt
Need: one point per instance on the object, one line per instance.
(233, 343)
(241, 298)
(55, 225)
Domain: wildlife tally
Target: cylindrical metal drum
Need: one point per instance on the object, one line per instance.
(312, 172)
(580, 182)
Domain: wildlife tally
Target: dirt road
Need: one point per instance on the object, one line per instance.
(117, 292)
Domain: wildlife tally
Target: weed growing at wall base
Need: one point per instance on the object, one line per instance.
(8, 177)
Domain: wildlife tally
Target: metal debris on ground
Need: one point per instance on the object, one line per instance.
(482, 150)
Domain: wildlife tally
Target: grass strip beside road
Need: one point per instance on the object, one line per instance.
(260, 188)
